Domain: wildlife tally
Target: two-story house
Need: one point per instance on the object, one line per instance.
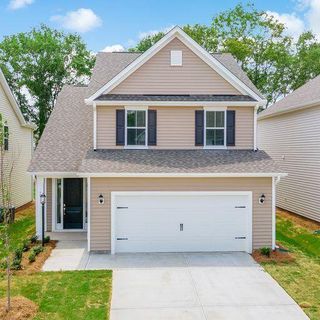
(158, 154)
(17, 149)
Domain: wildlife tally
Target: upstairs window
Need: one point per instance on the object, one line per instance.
(5, 137)
(136, 128)
(215, 128)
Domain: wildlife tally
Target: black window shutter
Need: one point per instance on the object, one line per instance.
(231, 128)
(152, 127)
(199, 127)
(120, 127)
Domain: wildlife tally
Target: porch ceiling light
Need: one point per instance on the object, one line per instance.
(42, 198)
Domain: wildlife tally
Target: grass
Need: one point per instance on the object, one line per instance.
(23, 228)
(301, 278)
(72, 295)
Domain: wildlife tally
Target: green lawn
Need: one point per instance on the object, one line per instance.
(59, 295)
(23, 228)
(72, 295)
(301, 279)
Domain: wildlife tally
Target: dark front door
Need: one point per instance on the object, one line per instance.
(72, 203)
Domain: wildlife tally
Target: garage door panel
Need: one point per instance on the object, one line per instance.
(164, 223)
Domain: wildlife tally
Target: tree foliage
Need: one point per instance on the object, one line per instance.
(274, 61)
(37, 64)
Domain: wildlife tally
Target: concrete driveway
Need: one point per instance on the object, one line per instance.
(211, 286)
(195, 286)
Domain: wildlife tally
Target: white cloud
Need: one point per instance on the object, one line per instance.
(114, 48)
(294, 25)
(18, 4)
(312, 15)
(153, 32)
(81, 20)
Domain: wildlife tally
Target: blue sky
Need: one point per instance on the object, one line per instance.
(118, 24)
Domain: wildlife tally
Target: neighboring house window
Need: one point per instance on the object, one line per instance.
(215, 128)
(6, 137)
(136, 128)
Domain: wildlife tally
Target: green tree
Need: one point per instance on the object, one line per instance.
(274, 62)
(37, 64)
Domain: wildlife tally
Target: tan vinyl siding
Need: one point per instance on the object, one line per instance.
(293, 139)
(175, 127)
(19, 154)
(49, 204)
(100, 215)
(157, 76)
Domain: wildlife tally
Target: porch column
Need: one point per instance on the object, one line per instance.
(40, 188)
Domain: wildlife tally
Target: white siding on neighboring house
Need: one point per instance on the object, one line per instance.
(20, 151)
(293, 139)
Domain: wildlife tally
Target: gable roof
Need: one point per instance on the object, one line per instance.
(13, 102)
(236, 77)
(306, 96)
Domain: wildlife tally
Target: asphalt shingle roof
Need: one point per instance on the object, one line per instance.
(177, 161)
(305, 95)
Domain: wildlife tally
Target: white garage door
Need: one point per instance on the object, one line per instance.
(181, 222)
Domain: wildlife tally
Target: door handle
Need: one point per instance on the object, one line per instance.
(64, 209)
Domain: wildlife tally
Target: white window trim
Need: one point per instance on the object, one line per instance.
(136, 108)
(224, 109)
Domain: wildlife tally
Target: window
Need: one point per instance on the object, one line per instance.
(58, 201)
(176, 58)
(6, 137)
(215, 128)
(136, 125)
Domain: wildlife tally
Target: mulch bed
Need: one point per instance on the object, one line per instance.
(276, 256)
(21, 309)
(36, 266)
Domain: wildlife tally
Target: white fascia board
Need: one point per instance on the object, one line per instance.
(55, 174)
(193, 46)
(297, 108)
(180, 175)
(178, 103)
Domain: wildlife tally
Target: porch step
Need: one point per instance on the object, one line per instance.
(67, 236)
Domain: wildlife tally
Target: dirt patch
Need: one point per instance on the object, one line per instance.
(275, 257)
(25, 210)
(21, 309)
(299, 220)
(36, 266)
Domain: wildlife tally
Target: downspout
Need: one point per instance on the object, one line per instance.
(94, 126)
(255, 127)
(275, 181)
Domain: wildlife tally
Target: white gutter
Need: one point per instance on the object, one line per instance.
(178, 175)
(275, 181)
(175, 103)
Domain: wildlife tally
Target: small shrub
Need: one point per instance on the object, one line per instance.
(34, 238)
(47, 239)
(37, 250)
(16, 264)
(265, 251)
(26, 245)
(32, 256)
(3, 264)
(18, 253)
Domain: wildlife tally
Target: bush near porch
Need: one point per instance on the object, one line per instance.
(58, 295)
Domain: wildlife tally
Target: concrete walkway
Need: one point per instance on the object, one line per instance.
(197, 286)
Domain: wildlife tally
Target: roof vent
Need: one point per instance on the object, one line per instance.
(176, 58)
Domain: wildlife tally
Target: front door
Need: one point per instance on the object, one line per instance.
(72, 203)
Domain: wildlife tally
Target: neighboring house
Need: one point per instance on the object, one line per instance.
(289, 131)
(18, 146)
(158, 154)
